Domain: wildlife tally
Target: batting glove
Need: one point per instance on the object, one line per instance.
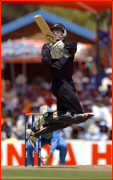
(56, 50)
(56, 55)
(58, 46)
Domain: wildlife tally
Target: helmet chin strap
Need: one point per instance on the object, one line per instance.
(59, 38)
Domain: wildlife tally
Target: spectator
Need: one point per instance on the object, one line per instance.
(9, 136)
(30, 100)
(4, 127)
(20, 84)
(20, 125)
(101, 111)
(77, 73)
(66, 133)
(8, 94)
(85, 84)
(81, 131)
(91, 133)
(93, 79)
(81, 94)
(3, 104)
(87, 107)
(107, 80)
(102, 134)
(74, 132)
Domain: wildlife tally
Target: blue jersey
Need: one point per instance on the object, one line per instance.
(50, 138)
(56, 141)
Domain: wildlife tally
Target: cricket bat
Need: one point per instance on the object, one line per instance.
(45, 29)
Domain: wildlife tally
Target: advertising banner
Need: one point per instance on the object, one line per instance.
(79, 152)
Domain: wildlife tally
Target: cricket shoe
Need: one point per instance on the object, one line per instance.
(41, 119)
(31, 138)
(81, 118)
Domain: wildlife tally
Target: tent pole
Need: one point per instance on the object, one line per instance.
(98, 53)
(12, 73)
(24, 73)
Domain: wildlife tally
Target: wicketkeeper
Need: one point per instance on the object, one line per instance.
(58, 58)
(55, 140)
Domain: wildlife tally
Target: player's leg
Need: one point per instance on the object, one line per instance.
(43, 143)
(39, 122)
(63, 122)
(62, 147)
(41, 118)
(67, 101)
(66, 96)
(50, 128)
(30, 135)
(60, 122)
(67, 118)
(76, 119)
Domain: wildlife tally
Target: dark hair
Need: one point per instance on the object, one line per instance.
(8, 134)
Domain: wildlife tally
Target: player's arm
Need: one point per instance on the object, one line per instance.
(54, 140)
(54, 143)
(71, 47)
(56, 50)
(46, 58)
(46, 160)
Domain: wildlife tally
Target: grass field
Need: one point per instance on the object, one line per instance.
(75, 172)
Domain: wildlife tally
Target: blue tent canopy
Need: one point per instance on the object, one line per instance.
(50, 18)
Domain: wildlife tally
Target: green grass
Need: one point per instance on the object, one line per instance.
(52, 174)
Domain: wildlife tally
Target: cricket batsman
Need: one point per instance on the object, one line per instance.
(58, 58)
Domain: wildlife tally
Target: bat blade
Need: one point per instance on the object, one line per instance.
(44, 28)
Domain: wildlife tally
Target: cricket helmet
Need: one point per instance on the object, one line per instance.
(60, 26)
(44, 107)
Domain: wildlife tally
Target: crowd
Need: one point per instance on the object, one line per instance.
(21, 97)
